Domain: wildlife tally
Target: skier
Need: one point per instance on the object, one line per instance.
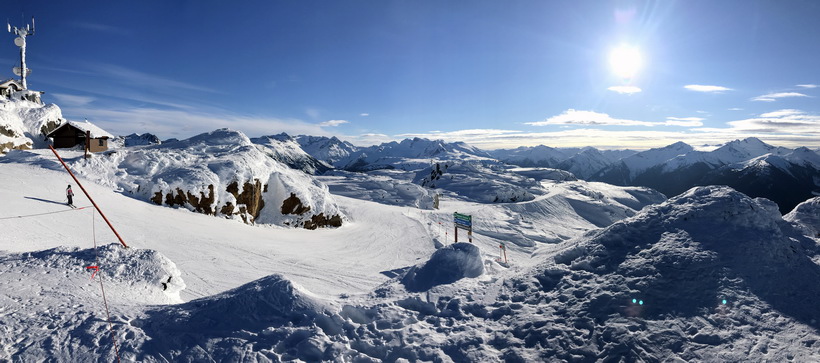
(69, 194)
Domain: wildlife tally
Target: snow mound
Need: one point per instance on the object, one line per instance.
(132, 275)
(268, 319)
(709, 275)
(807, 216)
(24, 124)
(447, 265)
(219, 173)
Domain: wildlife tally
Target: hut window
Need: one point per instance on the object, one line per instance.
(101, 142)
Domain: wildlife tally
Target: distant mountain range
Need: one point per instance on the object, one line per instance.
(786, 176)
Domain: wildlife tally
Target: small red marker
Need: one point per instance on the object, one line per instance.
(95, 268)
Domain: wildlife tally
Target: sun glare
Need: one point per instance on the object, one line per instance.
(625, 61)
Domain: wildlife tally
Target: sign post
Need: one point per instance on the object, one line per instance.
(465, 222)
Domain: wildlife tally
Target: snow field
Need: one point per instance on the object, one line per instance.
(268, 293)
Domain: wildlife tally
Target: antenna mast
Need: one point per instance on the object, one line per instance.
(20, 41)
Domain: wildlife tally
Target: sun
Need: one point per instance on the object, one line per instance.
(625, 61)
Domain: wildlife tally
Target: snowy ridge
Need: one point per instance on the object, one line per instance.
(409, 154)
(329, 150)
(485, 182)
(24, 124)
(286, 150)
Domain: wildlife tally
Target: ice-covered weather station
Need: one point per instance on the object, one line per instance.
(11, 88)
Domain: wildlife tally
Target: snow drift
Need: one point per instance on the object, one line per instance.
(446, 265)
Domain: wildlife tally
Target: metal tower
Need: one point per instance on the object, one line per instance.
(20, 41)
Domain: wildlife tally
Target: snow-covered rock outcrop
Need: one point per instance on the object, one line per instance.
(24, 124)
(807, 216)
(219, 173)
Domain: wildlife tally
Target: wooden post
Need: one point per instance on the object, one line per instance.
(455, 232)
(88, 196)
(87, 143)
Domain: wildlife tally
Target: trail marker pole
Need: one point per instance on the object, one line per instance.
(88, 196)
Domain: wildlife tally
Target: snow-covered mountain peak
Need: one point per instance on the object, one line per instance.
(649, 158)
(804, 156)
(223, 136)
(748, 148)
(327, 149)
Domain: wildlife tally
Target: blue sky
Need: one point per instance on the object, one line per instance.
(491, 73)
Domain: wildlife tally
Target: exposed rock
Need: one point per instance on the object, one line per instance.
(320, 220)
(250, 197)
(157, 198)
(293, 205)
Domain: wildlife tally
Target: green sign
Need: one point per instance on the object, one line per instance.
(462, 216)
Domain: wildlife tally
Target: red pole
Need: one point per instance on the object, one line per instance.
(88, 196)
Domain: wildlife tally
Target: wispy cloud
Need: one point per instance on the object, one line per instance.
(73, 100)
(576, 117)
(97, 27)
(706, 88)
(807, 85)
(183, 124)
(788, 127)
(333, 123)
(625, 89)
(684, 121)
(771, 97)
(364, 114)
(781, 121)
(134, 77)
(735, 109)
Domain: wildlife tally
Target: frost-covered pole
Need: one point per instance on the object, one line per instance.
(20, 41)
(88, 196)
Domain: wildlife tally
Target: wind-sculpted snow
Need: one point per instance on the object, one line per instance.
(220, 173)
(807, 216)
(714, 275)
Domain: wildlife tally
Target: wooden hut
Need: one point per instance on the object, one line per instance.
(73, 133)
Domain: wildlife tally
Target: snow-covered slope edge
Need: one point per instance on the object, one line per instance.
(219, 173)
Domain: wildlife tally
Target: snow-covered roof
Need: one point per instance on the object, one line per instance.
(86, 126)
(9, 81)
